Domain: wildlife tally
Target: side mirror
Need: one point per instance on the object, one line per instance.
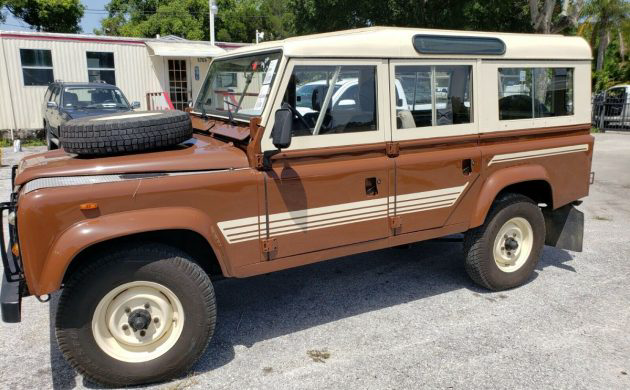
(135, 105)
(51, 104)
(282, 127)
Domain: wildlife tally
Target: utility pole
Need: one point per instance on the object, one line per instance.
(212, 10)
(259, 35)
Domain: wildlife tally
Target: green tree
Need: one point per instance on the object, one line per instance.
(148, 18)
(330, 15)
(606, 18)
(236, 21)
(554, 16)
(47, 15)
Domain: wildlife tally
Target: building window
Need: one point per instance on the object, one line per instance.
(101, 67)
(433, 95)
(526, 93)
(37, 67)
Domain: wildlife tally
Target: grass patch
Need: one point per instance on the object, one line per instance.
(595, 130)
(5, 143)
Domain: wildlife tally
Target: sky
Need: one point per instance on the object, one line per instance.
(94, 12)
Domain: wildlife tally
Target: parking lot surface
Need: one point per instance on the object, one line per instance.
(402, 318)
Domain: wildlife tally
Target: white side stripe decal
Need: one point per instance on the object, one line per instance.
(246, 229)
(499, 158)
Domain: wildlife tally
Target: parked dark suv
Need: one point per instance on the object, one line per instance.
(64, 101)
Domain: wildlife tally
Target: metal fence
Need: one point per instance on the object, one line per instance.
(611, 113)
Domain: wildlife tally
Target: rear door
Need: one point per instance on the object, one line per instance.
(436, 137)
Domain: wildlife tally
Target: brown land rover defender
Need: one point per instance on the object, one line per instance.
(303, 150)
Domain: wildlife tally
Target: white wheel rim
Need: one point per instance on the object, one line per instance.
(513, 244)
(117, 337)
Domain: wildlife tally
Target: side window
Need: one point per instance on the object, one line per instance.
(526, 93)
(433, 95)
(56, 95)
(37, 66)
(349, 106)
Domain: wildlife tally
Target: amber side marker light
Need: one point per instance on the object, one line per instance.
(15, 249)
(88, 206)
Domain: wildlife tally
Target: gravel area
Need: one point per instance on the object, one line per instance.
(402, 318)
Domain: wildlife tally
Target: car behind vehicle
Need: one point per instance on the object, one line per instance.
(64, 101)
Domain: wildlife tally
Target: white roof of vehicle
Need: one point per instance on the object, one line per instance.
(396, 42)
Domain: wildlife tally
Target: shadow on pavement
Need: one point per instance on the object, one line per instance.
(267, 306)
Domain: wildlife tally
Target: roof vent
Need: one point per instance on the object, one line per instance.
(442, 44)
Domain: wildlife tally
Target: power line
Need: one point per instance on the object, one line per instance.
(103, 11)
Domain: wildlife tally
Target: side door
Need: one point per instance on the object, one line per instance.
(331, 187)
(435, 133)
(47, 97)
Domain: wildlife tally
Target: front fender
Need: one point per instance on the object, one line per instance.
(102, 228)
(499, 180)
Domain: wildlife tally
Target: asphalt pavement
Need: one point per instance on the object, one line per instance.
(401, 318)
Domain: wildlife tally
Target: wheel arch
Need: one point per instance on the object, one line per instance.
(174, 226)
(530, 180)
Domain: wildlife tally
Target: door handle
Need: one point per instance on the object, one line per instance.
(371, 186)
(467, 166)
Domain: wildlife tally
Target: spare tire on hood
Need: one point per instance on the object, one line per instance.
(128, 132)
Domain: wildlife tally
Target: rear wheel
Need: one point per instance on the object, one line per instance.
(504, 251)
(137, 315)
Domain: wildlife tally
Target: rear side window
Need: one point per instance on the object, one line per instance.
(526, 93)
(48, 94)
(433, 95)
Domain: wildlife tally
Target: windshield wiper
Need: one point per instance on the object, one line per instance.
(229, 103)
(203, 112)
(248, 81)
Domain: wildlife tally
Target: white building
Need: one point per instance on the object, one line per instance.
(170, 68)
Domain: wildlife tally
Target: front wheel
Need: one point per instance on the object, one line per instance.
(49, 142)
(136, 315)
(504, 251)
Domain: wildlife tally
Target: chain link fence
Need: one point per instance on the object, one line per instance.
(611, 113)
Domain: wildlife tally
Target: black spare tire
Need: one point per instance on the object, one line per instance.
(127, 132)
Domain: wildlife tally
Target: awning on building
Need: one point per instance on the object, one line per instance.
(183, 49)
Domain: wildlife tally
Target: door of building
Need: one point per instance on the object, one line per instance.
(178, 83)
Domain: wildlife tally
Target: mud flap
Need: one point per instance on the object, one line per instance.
(565, 228)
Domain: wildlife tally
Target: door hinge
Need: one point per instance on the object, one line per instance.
(392, 149)
(269, 245)
(395, 222)
(260, 161)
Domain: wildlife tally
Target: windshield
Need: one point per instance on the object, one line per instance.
(238, 87)
(84, 97)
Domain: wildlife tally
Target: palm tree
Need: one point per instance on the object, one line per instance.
(605, 16)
